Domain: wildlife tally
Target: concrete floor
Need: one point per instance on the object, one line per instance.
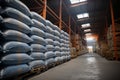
(86, 67)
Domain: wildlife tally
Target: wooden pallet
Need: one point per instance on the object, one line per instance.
(38, 69)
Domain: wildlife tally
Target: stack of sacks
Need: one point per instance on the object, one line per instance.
(57, 44)
(62, 46)
(15, 31)
(67, 45)
(50, 55)
(39, 43)
(65, 48)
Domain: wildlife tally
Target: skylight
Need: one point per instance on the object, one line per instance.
(84, 15)
(87, 30)
(85, 25)
(88, 34)
(77, 1)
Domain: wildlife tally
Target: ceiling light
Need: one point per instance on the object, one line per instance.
(87, 30)
(84, 15)
(83, 0)
(80, 16)
(85, 25)
(88, 34)
(77, 1)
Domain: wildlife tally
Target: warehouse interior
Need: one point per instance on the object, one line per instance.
(59, 39)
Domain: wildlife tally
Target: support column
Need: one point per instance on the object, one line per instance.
(106, 29)
(113, 30)
(69, 26)
(44, 9)
(75, 35)
(60, 15)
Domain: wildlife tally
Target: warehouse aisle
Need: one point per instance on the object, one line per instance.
(86, 67)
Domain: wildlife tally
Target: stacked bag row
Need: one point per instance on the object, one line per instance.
(15, 38)
(39, 43)
(110, 40)
(65, 46)
(53, 39)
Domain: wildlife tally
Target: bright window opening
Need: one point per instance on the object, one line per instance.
(77, 1)
(90, 39)
(85, 25)
(87, 30)
(84, 15)
(90, 49)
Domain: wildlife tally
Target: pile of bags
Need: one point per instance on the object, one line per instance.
(28, 41)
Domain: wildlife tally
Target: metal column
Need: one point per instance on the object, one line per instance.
(60, 14)
(113, 30)
(69, 25)
(45, 9)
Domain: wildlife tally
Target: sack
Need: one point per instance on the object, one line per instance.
(56, 43)
(49, 54)
(49, 61)
(38, 17)
(13, 35)
(2, 38)
(49, 41)
(57, 38)
(48, 29)
(15, 59)
(17, 4)
(62, 53)
(57, 59)
(14, 24)
(38, 40)
(58, 53)
(36, 64)
(37, 56)
(16, 14)
(1, 19)
(38, 32)
(56, 33)
(39, 25)
(50, 36)
(16, 70)
(61, 58)
(38, 48)
(56, 28)
(57, 48)
(16, 47)
(62, 44)
(50, 47)
(48, 23)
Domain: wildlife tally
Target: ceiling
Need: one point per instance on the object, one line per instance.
(99, 13)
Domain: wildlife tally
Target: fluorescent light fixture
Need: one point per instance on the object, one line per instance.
(87, 30)
(77, 1)
(84, 15)
(80, 16)
(74, 1)
(82, 0)
(85, 25)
